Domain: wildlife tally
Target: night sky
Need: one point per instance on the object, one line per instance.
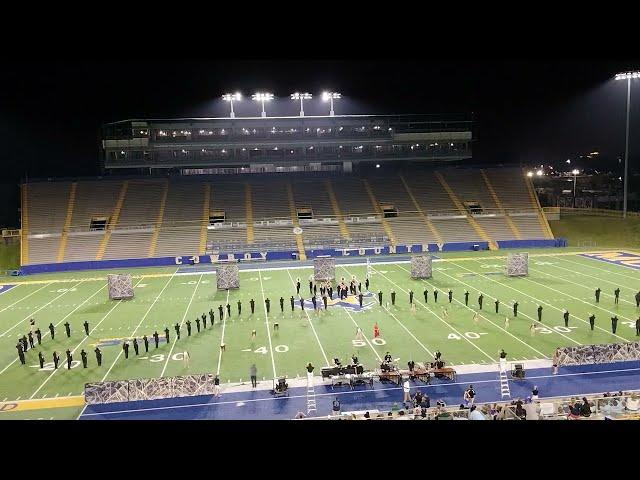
(525, 111)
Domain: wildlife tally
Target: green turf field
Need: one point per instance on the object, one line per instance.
(163, 298)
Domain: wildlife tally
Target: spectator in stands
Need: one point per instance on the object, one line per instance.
(531, 409)
(416, 412)
(575, 407)
(520, 411)
(585, 410)
(299, 415)
(367, 415)
(474, 414)
(534, 393)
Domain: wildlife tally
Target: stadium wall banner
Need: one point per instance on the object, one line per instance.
(277, 255)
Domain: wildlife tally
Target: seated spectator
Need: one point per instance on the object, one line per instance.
(462, 407)
(585, 410)
(531, 409)
(299, 415)
(423, 412)
(416, 412)
(520, 411)
(402, 416)
(575, 407)
(366, 415)
(633, 403)
(426, 401)
(474, 414)
(395, 407)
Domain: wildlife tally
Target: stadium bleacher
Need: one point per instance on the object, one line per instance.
(164, 217)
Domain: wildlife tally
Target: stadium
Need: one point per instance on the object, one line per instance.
(319, 266)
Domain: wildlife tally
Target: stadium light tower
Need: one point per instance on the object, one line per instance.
(330, 96)
(301, 97)
(627, 76)
(262, 97)
(575, 172)
(232, 97)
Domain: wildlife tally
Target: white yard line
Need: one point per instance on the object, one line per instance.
(326, 359)
(140, 323)
(485, 318)
(592, 289)
(36, 311)
(401, 324)
(224, 324)
(175, 340)
(553, 306)
(62, 320)
(519, 312)
(363, 334)
(437, 316)
(266, 321)
(23, 298)
(79, 344)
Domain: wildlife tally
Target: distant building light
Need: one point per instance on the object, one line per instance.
(436, 144)
(204, 150)
(595, 153)
(244, 149)
(121, 152)
(377, 165)
(224, 151)
(529, 174)
(451, 144)
(568, 160)
(539, 173)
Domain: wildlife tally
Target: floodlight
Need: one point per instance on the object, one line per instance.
(301, 97)
(262, 97)
(232, 97)
(330, 97)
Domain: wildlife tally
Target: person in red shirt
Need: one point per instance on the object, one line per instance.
(376, 331)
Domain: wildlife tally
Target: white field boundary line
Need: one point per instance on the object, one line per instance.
(437, 316)
(224, 324)
(590, 264)
(540, 302)
(175, 340)
(36, 311)
(355, 392)
(622, 285)
(78, 345)
(23, 298)
(62, 320)
(491, 322)
(266, 322)
(401, 324)
(326, 359)
(138, 326)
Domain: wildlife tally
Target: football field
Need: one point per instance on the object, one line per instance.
(557, 280)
